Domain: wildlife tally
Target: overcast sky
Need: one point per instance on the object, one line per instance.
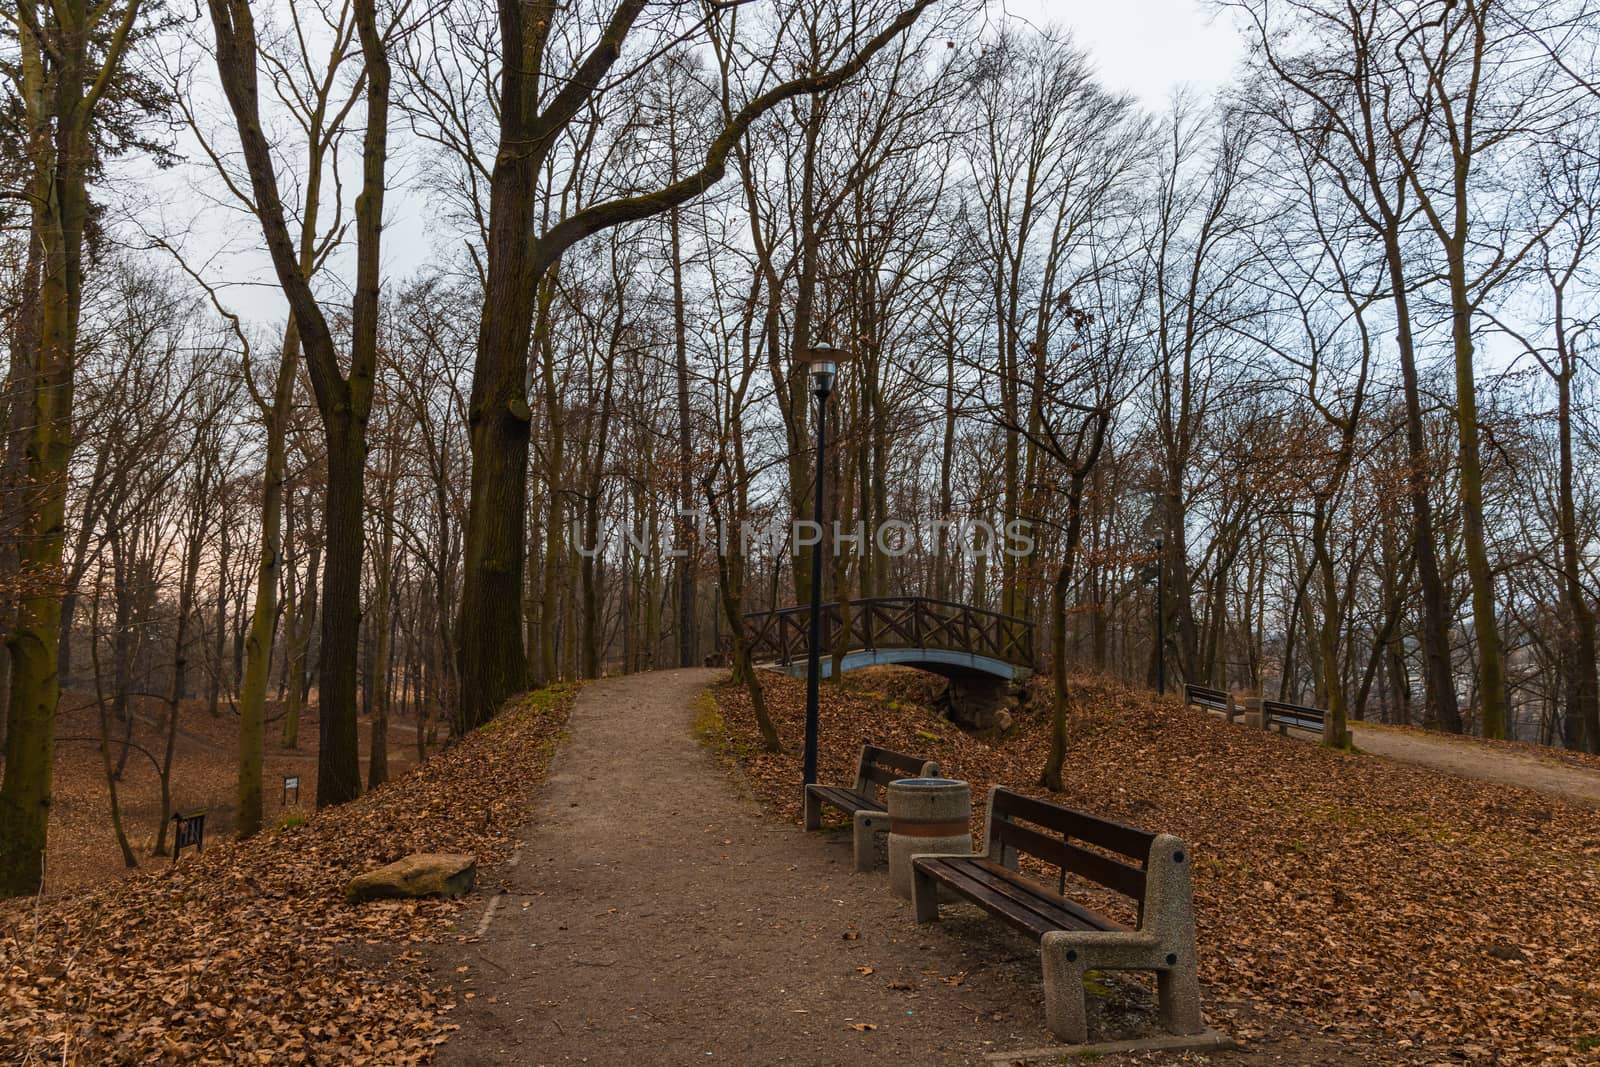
(1146, 47)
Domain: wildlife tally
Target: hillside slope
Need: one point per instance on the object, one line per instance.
(1436, 915)
(247, 951)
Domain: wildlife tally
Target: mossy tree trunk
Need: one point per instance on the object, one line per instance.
(59, 101)
(263, 619)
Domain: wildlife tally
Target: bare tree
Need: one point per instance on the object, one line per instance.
(72, 56)
(344, 399)
(493, 660)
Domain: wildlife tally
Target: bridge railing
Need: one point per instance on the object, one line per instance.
(892, 622)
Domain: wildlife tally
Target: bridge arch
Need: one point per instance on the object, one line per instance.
(933, 660)
(956, 640)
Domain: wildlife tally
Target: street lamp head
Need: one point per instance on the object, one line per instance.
(822, 360)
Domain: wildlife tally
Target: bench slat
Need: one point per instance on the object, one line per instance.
(1300, 723)
(1028, 916)
(1118, 837)
(1010, 897)
(880, 775)
(911, 766)
(1113, 874)
(845, 799)
(1090, 919)
(1298, 715)
(1276, 706)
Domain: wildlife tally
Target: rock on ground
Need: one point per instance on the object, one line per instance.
(422, 874)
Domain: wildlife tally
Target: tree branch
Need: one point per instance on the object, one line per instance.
(571, 230)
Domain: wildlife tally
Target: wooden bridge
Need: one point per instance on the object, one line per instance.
(935, 635)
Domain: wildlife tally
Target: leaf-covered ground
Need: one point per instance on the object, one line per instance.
(1446, 920)
(246, 953)
(83, 847)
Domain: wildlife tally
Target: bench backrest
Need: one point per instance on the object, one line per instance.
(1206, 697)
(880, 766)
(1052, 835)
(1282, 710)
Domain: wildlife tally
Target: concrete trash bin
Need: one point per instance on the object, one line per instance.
(926, 815)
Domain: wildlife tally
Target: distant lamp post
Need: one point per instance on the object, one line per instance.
(822, 361)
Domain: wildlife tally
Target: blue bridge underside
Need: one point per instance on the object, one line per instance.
(937, 660)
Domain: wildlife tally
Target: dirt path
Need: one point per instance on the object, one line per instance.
(1469, 759)
(656, 915)
(653, 916)
(1472, 760)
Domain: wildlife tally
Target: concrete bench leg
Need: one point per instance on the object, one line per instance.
(1178, 995)
(868, 825)
(1066, 1005)
(813, 809)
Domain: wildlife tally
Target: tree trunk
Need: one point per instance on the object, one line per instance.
(299, 650)
(220, 644)
(1050, 777)
(1439, 675)
(685, 569)
(263, 620)
(59, 146)
(1582, 726)
(180, 659)
(730, 581)
(1485, 626)
(494, 665)
(339, 755)
(945, 545)
(1335, 733)
(129, 861)
(343, 401)
(378, 749)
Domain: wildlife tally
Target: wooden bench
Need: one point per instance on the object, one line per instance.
(1150, 868)
(1285, 715)
(1203, 696)
(862, 800)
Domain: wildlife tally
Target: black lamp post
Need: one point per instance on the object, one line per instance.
(823, 362)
